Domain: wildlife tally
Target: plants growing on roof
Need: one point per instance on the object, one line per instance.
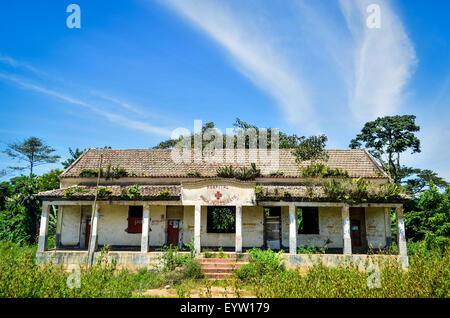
(114, 172)
(321, 170)
(104, 192)
(193, 174)
(226, 172)
(277, 174)
(134, 191)
(359, 190)
(73, 190)
(164, 193)
(88, 173)
(241, 173)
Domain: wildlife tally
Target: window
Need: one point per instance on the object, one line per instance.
(221, 219)
(135, 219)
(308, 220)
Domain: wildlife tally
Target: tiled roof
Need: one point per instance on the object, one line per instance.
(146, 192)
(153, 163)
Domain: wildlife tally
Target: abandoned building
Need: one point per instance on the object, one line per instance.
(144, 200)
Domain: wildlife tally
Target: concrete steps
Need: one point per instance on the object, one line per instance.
(219, 268)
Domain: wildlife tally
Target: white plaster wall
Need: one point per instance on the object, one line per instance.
(330, 227)
(70, 230)
(252, 226)
(112, 223)
(375, 227)
(158, 225)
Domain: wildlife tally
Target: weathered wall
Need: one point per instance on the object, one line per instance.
(112, 223)
(330, 227)
(70, 226)
(158, 225)
(375, 227)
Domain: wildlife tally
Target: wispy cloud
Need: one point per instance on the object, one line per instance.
(5, 59)
(384, 60)
(252, 53)
(113, 117)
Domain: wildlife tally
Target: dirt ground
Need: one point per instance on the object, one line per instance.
(198, 292)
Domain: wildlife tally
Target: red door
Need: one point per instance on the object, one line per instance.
(88, 233)
(356, 233)
(172, 232)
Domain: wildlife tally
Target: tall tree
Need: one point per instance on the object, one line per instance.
(34, 151)
(416, 180)
(74, 154)
(386, 138)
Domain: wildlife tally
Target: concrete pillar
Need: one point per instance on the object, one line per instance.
(59, 226)
(145, 229)
(292, 230)
(401, 235)
(197, 227)
(387, 226)
(43, 229)
(238, 244)
(346, 230)
(93, 244)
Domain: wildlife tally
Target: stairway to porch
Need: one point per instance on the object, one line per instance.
(220, 268)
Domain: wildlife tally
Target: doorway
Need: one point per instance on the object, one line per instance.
(358, 230)
(272, 228)
(87, 233)
(173, 229)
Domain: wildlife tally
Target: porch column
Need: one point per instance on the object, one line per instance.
(387, 226)
(59, 226)
(238, 244)
(401, 236)
(197, 227)
(93, 243)
(43, 229)
(145, 229)
(346, 230)
(292, 230)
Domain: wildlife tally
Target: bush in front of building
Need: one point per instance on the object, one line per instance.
(261, 264)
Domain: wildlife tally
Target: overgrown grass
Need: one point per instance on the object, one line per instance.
(20, 276)
(266, 276)
(428, 276)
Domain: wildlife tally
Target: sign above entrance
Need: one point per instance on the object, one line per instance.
(218, 192)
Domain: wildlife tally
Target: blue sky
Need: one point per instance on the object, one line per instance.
(137, 69)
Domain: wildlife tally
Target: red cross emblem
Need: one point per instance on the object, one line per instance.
(218, 195)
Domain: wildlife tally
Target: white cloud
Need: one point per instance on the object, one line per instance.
(113, 117)
(384, 61)
(250, 48)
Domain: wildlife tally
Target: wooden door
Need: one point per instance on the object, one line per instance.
(356, 233)
(173, 229)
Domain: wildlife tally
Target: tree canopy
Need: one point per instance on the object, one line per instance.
(386, 138)
(32, 150)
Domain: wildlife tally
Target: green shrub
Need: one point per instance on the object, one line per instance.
(261, 263)
(193, 269)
